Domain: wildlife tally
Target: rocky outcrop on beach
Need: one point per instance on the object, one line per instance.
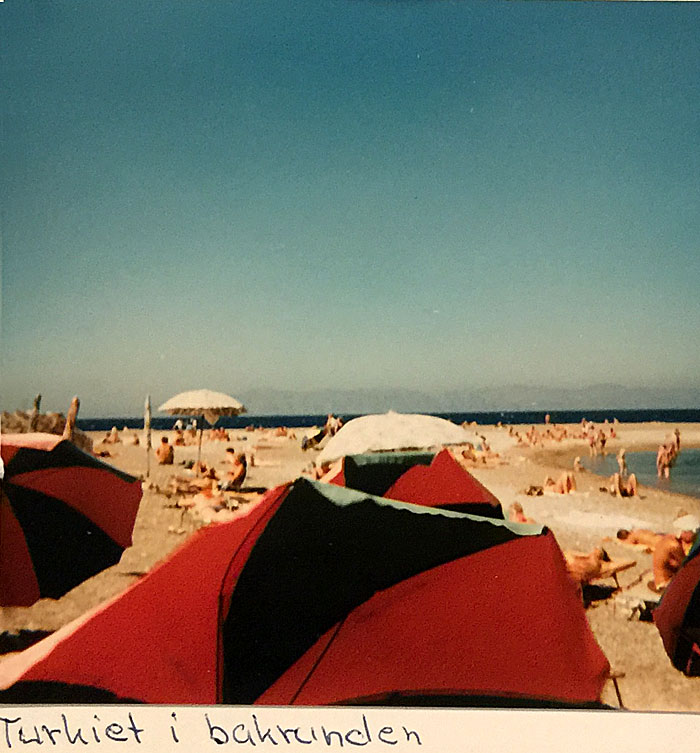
(22, 422)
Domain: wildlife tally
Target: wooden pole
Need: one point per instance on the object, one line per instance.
(70, 419)
(199, 447)
(147, 427)
(34, 414)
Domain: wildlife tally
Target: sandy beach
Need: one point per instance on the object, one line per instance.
(580, 520)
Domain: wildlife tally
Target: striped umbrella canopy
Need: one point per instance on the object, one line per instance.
(325, 595)
(64, 517)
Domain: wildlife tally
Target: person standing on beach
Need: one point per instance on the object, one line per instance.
(592, 445)
(622, 462)
(664, 460)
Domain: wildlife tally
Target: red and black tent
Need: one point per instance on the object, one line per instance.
(64, 517)
(677, 617)
(421, 478)
(326, 595)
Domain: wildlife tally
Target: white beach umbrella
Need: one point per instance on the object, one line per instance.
(211, 405)
(392, 431)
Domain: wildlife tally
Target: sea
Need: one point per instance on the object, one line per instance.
(685, 475)
(486, 418)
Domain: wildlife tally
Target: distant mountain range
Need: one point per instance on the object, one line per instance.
(505, 398)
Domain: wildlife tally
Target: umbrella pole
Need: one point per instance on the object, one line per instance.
(199, 446)
(147, 428)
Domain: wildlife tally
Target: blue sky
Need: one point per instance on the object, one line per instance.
(346, 194)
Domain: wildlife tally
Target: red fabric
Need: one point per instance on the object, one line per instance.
(103, 497)
(504, 621)
(158, 641)
(18, 584)
(669, 615)
(443, 482)
(339, 478)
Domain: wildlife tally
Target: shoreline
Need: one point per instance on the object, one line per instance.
(580, 521)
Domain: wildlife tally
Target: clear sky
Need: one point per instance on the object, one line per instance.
(304, 194)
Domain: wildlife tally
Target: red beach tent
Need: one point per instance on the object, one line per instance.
(326, 595)
(64, 517)
(434, 480)
(677, 617)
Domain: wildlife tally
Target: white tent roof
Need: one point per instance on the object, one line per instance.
(392, 431)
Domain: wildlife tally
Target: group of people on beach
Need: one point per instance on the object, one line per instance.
(596, 437)
(536, 438)
(667, 454)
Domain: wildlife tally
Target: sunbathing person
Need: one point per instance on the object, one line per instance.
(668, 558)
(165, 453)
(200, 468)
(470, 453)
(623, 487)
(112, 437)
(563, 485)
(584, 568)
(641, 537)
(516, 514)
(235, 477)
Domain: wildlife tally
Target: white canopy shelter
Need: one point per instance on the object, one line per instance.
(392, 431)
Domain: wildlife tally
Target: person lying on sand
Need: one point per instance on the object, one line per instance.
(192, 484)
(469, 454)
(640, 537)
(620, 487)
(584, 568)
(516, 514)
(563, 485)
(209, 505)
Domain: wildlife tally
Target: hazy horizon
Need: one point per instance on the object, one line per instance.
(513, 398)
(268, 196)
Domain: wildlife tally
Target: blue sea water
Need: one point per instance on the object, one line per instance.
(685, 474)
(483, 417)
